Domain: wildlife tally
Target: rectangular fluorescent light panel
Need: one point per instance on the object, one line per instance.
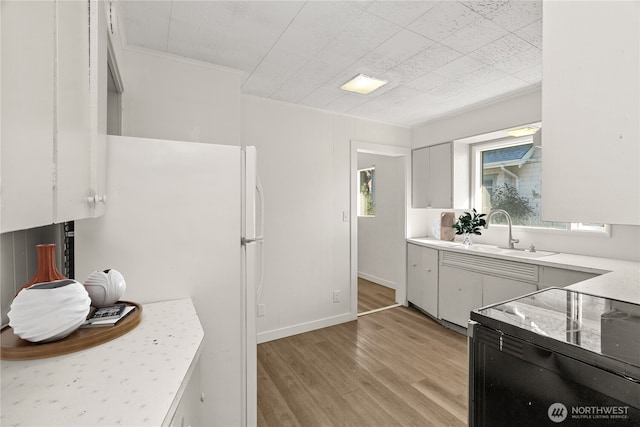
(528, 130)
(363, 84)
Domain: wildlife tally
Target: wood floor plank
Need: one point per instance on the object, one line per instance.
(391, 368)
(271, 404)
(372, 296)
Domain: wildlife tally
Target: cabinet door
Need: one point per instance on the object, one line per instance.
(496, 289)
(27, 80)
(188, 410)
(422, 278)
(416, 274)
(591, 112)
(73, 142)
(460, 291)
(99, 57)
(430, 287)
(420, 178)
(440, 176)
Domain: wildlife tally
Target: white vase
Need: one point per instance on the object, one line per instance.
(466, 239)
(49, 311)
(105, 287)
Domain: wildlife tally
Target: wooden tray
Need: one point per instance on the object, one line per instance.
(15, 348)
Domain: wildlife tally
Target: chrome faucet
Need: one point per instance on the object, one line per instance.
(511, 239)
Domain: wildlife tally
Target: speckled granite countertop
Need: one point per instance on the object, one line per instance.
(134, 380)
(618, 279)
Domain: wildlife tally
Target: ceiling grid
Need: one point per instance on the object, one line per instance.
(439, 57)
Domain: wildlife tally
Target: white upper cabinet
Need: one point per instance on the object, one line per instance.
(27, 33)
(591, 112)
(52, 157)
(431, 177)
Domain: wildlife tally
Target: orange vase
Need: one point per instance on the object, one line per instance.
(47, 270)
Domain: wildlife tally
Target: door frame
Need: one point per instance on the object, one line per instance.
(383, 150)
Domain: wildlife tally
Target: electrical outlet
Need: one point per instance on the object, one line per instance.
(336, 296)
(260, 310)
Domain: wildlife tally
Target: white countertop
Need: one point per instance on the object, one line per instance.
(618, 279)
(134, 380)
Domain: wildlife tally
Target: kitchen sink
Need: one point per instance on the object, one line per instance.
(488, 249)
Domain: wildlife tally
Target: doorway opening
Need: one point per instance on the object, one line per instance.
(378, 233)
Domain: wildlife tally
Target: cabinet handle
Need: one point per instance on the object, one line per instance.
(414, 265)
(428, 270)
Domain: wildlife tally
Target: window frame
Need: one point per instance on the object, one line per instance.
(359, 205)
(476, 182)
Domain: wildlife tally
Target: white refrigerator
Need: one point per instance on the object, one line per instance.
(184, 219)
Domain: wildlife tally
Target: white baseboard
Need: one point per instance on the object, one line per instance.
(304, 327)
(378, 280)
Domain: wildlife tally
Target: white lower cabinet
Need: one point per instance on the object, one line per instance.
(188, 411)
(422, 278)
(460, 292)
(448, 285)
(464, 284)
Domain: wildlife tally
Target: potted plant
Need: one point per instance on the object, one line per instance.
(469, 224)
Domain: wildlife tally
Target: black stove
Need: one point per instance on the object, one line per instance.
(555, 357)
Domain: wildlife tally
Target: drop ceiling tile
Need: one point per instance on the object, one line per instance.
(496, 89)
(428, 82)
(342, 53)
(311, 76)
(278, 13)
(532, 75)
(155, 15)
(501, 49)
(403, 45)
(426, 61)
(514, 15)
(460, 67)
(400, 12)
(443, 20)
(198, 28)
(532, 33)
(484, 7)
(469, 81)
(274, 70)
(251, 26)
(329, 18)
(521, 61)
(240, 54)
(368, 29)
(302, 42)
(473, 36)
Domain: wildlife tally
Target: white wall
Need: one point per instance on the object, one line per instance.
(304, 163)
(169, 97)
(381, 238)
(624, 242)
(512, 112)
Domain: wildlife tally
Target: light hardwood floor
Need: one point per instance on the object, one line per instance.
(391, 368)
(372, 296)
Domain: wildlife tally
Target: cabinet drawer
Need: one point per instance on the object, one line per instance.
(493, 266)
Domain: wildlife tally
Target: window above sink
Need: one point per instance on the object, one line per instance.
(506, 173)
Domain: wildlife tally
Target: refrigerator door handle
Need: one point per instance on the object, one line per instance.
(259, 218)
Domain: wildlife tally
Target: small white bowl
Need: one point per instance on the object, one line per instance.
(49, 311)
(105, 287)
